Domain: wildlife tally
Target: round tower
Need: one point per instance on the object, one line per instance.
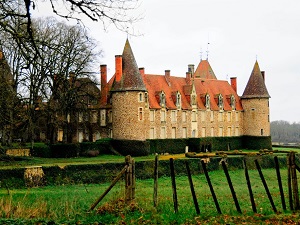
(128, 97)
(255, 101)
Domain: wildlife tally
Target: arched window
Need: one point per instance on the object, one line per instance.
(220, 102)
(178, 100)
(207, 101)
(232, 102)
(162, 99)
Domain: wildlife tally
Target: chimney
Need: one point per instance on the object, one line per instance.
(142, 70)
(191, 69)
(233, 83)
(188, 77)
(263, 74)
(118, 61)
(103, 78)
(167, 76)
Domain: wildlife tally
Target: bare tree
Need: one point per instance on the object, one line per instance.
(44, 84)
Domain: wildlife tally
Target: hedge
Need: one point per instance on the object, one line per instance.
(131, 147)
(173, 146)
(106, 172)
(64, 150)
(102, 145)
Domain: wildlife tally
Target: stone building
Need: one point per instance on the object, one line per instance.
(139, 106)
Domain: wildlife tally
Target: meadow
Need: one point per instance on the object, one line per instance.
(69, 204)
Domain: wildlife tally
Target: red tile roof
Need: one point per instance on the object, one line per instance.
(204, 71)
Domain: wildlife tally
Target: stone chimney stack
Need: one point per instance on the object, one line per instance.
(142, 70)
(233, 83)
(188, 76)
(167, 76)
(119, 69)
(103, 79)
(191, 69)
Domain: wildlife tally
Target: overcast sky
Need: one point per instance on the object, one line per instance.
(174, 33)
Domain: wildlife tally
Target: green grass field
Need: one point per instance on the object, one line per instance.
(69, 204)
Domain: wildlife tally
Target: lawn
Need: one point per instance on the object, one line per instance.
(69, 204)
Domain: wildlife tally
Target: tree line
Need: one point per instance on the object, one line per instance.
(285, 132)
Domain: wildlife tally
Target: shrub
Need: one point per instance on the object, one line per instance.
(64, 150)
(41, 151)
(172, 146)
(101, 145)
(131, 147)
(257, 142)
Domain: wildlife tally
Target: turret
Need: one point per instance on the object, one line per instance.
(255, 101)
(128, 96)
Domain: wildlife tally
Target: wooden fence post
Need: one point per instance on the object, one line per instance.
(174, 185)
(265, 185)
(295, 191)
(155, 175)
(237, 205)
(279, 182)
(129, 180)
(290, 182)
(249, 186)
(192, 187)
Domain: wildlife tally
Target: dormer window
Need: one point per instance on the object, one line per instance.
(178, 100)
(220, 102)
(162, 99)
(207, 101)
(232, 102)
(193, 99)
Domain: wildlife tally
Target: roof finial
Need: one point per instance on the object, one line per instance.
(201, 54)
(207, 47)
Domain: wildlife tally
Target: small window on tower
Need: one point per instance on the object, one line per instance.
(140, 113)
(141, 99)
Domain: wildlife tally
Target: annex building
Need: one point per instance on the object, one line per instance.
(135, 105)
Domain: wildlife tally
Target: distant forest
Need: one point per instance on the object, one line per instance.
(285, 132)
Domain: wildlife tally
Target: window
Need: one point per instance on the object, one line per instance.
(94, 117)
(173, 132)
(193, 99)
(163, 133)
(80, 117)
(229, 116)
(110, 116)
(194, 116)
(236, 131)
(162, 99)
(237, 115)
(229, 131)
(152, 133)
(140, 113)
(102, 118)
(141, 99)
(232, 102)
(261, 131)
(193, 133)
(173, 116)
(207, 101)
(162, 115)
(183, 116)
(220, 102)
(152, 115)
(220, 116)
(220, 131)
(178, 100)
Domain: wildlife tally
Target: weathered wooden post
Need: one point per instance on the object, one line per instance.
(174, 185)
(290, 182)
(249, 186)
(129, 180)
(295, 191)
(155, 181)
(279, 182)
(192, 187)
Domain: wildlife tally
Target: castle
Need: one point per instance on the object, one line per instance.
(139, 106)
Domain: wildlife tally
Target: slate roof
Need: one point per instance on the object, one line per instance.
(256, 87)
(131, 78)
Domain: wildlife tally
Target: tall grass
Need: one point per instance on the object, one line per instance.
(69, 204)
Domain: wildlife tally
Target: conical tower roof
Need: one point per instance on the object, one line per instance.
(256, 87)
(131, 79)
(204, 71)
